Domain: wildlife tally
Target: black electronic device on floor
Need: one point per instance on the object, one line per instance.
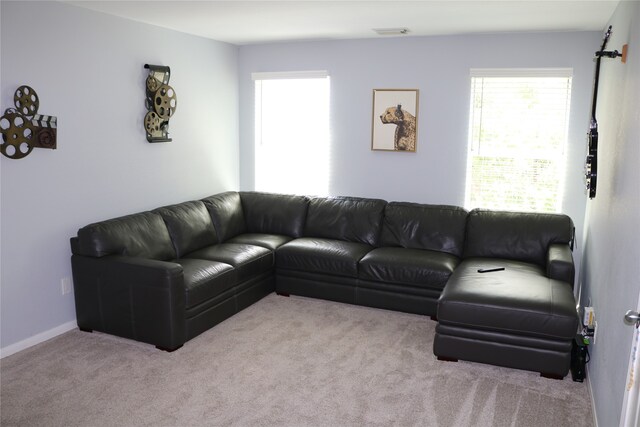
(579, 359)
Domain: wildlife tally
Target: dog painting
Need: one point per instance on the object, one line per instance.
(405, 135)
(395, 113)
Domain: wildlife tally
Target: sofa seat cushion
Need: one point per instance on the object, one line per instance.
(351, 219)
(189, 226)
(269, 241)
(519, 300)
(204, 279)
(272, 213)
(248, 260)
(227, 214)
(412, 267)
(419, 226)
(326, 256)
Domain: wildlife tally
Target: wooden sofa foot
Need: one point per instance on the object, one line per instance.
(551, 376)
(282, 294)
(434, 318)
(85, 330)
(446, 359)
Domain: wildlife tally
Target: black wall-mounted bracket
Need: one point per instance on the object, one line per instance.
(591, 163)
(614, 54)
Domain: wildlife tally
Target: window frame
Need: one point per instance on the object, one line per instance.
(474, 141)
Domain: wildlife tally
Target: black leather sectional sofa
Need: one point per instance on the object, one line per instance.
(165, 276)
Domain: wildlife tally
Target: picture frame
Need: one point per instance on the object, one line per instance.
(395, 120)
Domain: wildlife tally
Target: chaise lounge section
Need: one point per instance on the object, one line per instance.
(165, 276)
(521, 315)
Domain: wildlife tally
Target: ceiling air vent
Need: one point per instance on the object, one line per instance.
(391, 31)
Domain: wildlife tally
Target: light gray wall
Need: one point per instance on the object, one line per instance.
(87, 69)
(439, 68)
(611, 267)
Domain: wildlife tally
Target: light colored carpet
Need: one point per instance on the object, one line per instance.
(284, 362)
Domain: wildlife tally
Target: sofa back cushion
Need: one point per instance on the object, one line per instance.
(274, 213)
(418, 226)
(351, 219)
(226, 213)
(189, 225)
(143, 235)
(518, 236)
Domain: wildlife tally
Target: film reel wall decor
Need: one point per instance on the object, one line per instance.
(161, 102)
(23, 129)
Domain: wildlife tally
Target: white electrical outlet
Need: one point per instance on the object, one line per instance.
(65, 285)
(589, 317)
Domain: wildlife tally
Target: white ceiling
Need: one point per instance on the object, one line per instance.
(248, 22)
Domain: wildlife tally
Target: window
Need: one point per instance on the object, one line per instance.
(517, 139)
(292, 132)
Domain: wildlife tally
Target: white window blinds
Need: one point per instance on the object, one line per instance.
(292, 132)
(517, 139)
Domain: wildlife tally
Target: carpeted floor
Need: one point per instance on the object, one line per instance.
(284, 362)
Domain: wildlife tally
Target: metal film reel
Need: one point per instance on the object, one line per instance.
(26, 100)
(161, 102)
(17, 135)
(165, 102)
(153, 84)
(152, 123)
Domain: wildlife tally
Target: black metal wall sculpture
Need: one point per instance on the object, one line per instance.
(161, 102)
(23, 129)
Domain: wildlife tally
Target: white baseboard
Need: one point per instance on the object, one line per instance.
(593, 401)
(37, 339)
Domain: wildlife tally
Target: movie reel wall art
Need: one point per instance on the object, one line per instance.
(161, 103)
(23, 129)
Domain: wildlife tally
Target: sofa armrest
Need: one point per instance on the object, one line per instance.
(137, 298)
(560, 263)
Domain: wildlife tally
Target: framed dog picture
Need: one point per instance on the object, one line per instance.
(395, 120)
